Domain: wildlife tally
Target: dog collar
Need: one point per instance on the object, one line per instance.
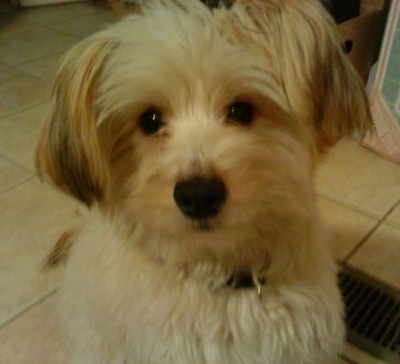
(217, 3)
(245, 281)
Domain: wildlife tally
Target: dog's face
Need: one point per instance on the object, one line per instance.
(200, 131)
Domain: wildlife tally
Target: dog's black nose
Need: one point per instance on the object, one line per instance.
(199, 197)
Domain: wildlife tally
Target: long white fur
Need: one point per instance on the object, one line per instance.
(149, 314)
(142, 283)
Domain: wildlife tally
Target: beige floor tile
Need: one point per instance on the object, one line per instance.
(50, 14)
(360, 357)
(85, 25)
(32, 218)
(7, 72)
(43, 67)
(394, 217)
(347, 227)
(11, 175)
(360, 178)
(19, 90)
(33, 44)
(19, 134)
(380, 255)
(34, 338)
(11, 22)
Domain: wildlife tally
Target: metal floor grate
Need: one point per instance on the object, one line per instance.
(372, 314)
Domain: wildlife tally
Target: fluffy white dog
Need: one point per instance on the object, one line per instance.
(192, 136)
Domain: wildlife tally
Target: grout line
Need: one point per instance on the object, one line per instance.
(371, 232)
(5, 155)
(50, 81)
(45, 28)
(78, 38)
(350, 206)
(361, 242)
(49, 28)
(25, 108)
(8, 189)
(28, 307)
(392, 224)
(37, 59)
(60, 5)
(15, 66)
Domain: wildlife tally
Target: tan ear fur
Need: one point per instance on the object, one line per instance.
(302, 45)
(340, 94)
(69, 152)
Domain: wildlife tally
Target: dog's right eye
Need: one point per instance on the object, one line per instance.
(241, 112)
(150, 122)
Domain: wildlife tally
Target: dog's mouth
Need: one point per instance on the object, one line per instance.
(205, 225)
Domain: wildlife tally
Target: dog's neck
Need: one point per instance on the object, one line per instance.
(242, 280)
(225, 277)
(245, 281)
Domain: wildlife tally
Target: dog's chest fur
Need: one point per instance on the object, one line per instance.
(149, 314)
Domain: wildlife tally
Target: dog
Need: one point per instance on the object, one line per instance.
(192, 136)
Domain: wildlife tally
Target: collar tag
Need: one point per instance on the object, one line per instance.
(246, 281)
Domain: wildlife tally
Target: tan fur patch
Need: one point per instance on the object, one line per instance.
(61, 250)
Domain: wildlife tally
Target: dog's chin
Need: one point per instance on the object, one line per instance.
(202, 227)
(205, 225)
(218, 240)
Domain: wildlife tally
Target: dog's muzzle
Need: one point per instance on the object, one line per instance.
(199, 197)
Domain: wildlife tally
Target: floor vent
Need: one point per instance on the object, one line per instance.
(372, 314)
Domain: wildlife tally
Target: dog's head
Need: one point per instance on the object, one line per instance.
(201, 129)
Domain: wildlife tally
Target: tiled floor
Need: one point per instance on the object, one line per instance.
(359, 191)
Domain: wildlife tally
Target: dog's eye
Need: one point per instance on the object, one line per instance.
(150, 122)
(241, 112)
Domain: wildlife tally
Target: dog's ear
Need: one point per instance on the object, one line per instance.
(69, 152)
(341, 104)
(304, 48)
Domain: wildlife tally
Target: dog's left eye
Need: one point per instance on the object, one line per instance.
(150, 122)
(241, 112)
